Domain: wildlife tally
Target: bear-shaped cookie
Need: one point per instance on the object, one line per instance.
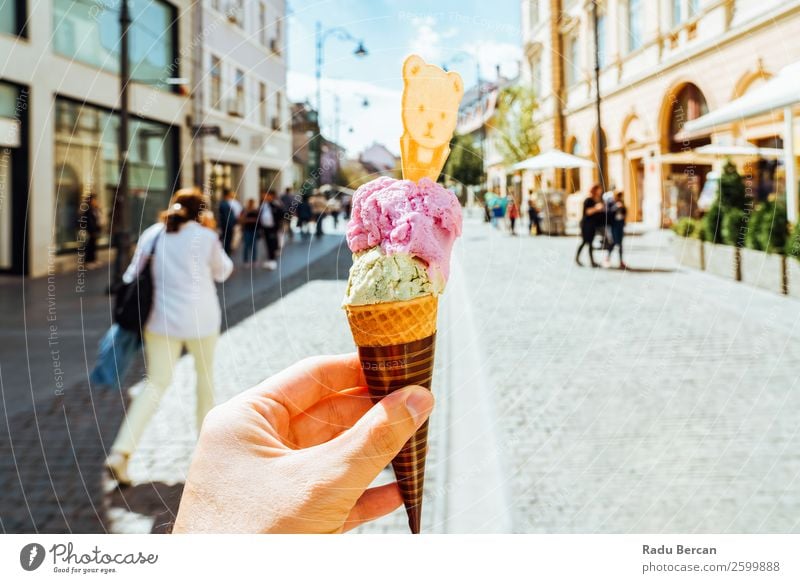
(430, 111)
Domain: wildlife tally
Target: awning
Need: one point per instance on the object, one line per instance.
(781, 91)
(553, 159)
(739, 150)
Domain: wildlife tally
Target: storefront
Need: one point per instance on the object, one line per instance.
(86, 162)
(13, 176)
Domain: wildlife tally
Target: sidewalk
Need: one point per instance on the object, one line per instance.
(656, 399)
(52, 443)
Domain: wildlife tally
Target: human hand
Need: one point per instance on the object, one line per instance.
(297, 453)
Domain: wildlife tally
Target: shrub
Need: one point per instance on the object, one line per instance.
(688, 227)
(793, 243)
(734, 223)
(768, 228)
(712, 223)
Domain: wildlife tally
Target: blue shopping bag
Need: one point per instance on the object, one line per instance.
(114, 356)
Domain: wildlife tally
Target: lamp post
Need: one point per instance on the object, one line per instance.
(360, 51)
(600, 146)
(459, 58)
(121, 236)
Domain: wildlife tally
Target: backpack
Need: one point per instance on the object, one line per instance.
(134, 300)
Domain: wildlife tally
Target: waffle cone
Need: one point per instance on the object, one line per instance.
(396, 343)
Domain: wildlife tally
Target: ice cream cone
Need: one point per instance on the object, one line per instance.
(396, 342)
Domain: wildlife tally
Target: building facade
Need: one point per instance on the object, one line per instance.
(662, 63)
(59, 99)
(242, 118)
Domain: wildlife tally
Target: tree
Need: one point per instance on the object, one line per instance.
(465, 163)
(517, 135)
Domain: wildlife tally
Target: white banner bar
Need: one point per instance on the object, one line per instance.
(400, 558)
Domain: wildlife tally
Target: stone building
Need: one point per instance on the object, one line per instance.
(662, 63)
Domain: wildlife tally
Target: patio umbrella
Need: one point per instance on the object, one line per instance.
(553, 159)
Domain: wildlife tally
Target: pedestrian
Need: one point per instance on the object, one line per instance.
(533, 216)
(187, 260)
(593, 215)
(250, 226)
(269, 222)
(304, 215)
(513, 214)
(229, 211)
(619, 213)
(289, 204)
(89, 229)
(319, 207)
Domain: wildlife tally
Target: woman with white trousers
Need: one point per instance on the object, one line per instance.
(187, 261)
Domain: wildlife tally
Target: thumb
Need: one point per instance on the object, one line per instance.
(368, 446)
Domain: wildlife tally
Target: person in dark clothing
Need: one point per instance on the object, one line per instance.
(533, 216)
(513, 214)
(593, 215)
(269, 221)
(617, 225)
(250, 226)
(289, 204)
(228, 218)
(89, 224)
(304, 215)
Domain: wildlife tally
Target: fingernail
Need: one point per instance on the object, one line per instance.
(419, 403)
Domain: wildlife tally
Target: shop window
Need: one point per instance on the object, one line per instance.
(86, 161)
(89, 32)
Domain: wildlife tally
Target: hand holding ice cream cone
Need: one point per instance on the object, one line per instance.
(401, 234)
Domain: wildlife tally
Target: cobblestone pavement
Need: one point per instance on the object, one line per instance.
(53, 437)
(657, 399)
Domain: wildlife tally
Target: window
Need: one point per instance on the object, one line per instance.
(536, 75)
(262, 104)
(86, 139)
(278, 40)
(573, 58)
(12, 17)
(534, 5)
(276, 121)
(676, 12)
(89, 32)
(262, 24)
(216, 81)
(601, 39)
(694, 7)
(634, 25)
(238, 105)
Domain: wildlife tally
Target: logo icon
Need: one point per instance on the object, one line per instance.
(31, 556)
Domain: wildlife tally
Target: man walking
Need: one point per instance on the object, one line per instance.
(319, 207)
(268, 220)
(229, 211)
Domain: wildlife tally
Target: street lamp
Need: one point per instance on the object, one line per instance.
(360, 51)
(460, 57)
(600, 145)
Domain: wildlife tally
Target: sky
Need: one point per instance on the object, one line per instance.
(440, 31)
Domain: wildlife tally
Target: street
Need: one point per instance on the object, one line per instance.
(569, 399)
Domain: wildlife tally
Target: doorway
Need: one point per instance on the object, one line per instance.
(634, 194)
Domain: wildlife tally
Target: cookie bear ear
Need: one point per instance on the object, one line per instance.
(412, 66)
(458, 84)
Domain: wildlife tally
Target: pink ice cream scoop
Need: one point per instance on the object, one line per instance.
(420, 218)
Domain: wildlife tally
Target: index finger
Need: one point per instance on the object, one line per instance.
(310, 380)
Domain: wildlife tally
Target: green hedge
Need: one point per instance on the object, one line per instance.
(688, 227)
(768, 230)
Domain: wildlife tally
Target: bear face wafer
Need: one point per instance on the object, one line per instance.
(430, 103)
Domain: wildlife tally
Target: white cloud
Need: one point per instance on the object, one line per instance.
(426, 38)
(379, 122)
(493, 53)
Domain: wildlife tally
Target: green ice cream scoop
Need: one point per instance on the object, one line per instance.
(375, 278)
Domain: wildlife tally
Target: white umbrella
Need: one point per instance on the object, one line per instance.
(553, 159)
(739, 150)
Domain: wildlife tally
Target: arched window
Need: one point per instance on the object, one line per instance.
(687, 104)
(574, 174)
